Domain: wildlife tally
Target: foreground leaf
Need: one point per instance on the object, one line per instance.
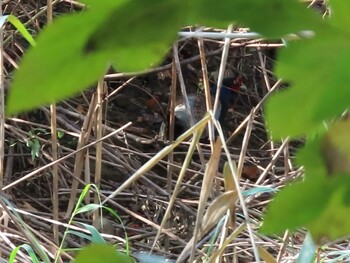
(97, 253)
(312, 204)
(322, 199)
(57, 68)
(296, 205)
(143, 36)
(333, 222)
(249, 12)
(340, 15)
(336, 148)
(301, 202)
(76, 50)
(315, 96)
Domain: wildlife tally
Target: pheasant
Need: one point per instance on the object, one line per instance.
(228, 94)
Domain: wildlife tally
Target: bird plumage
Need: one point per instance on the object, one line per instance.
(228, 94)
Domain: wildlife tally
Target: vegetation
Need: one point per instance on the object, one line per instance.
(76, 51)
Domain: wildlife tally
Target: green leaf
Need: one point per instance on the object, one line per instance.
(317, 70)
(336, 148)
(60, 134)
(308, 250)
(87, 208)
(97, 253)
(340, 15)
(333, 222)
(323, 198)
(310, 156)
(313, 204)
(34, 146)
(57, 67)
(28, 249)
(259, 15)
(74, 51)
(143, 36)
(95, 235)
(19, 26)
(105, 4)
(296, 205)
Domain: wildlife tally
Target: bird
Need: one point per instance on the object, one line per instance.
(228, 94)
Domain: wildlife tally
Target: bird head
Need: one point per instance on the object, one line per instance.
(230, 88)
(234, 83)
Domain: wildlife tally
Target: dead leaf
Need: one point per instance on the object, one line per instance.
(230, 186)
(250, 172)
(215, 212)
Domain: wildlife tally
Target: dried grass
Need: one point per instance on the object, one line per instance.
(142, 203)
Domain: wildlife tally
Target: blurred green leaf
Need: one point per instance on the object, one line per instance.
(104, 4)
(75, 50)
(297, 205)
(336, 148)
(323, 198)
(317, 70)
(333, 222)
(97, 253)
(141, 38)
(339, 14)
(57, 67)
(310, 157)
(259, 15)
